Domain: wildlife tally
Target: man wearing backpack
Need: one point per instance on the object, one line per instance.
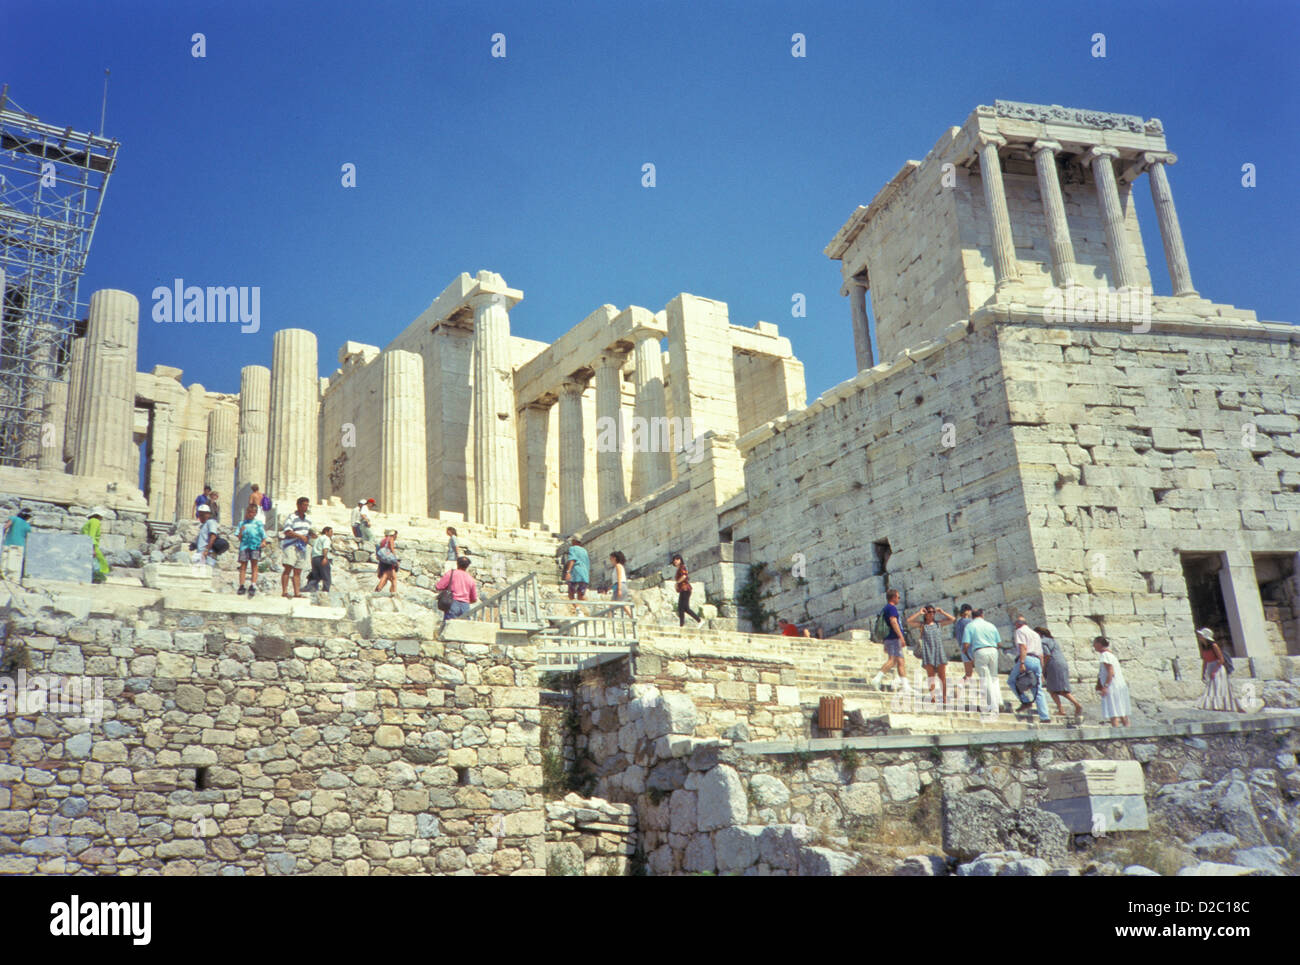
(893, 641)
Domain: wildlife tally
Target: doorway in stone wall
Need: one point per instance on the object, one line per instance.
(1205, 595)
(1280, 594)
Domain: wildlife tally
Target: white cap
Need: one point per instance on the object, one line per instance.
(1205, 633)
(96, 511)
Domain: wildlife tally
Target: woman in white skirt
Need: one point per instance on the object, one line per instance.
(1218, 688)
(1111, 685)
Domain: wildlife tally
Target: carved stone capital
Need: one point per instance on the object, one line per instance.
(1159, 157)
(1053, 146)
(986, 139)
(1102, 151)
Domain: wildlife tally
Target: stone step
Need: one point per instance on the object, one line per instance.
(176, 576)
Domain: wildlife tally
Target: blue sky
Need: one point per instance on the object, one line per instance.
(229, 170)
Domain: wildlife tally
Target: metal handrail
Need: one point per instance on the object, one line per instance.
(515, 607)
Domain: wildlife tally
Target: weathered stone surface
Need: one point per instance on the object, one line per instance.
(672, 713)
(902, 782)
(977, 823)
(737, 848)
(1139, 871)
(1268, 859)
(58, 556)
(769, 791)
(1212, 869)
(1195, 807)
(921, 866)
(780, 844)
(822, 862)
(722, 802)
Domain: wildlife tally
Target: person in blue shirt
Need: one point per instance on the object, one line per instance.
(15, 544)
(982, 640)
(252, 540)
(577, 570)
(893, 641)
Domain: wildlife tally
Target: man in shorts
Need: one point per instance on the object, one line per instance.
(893, 641)
(252, 539)
(294, 539)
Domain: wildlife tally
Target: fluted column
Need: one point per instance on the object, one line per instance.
(1005, 269)
(107, 415)
(1058, 229)
(403, 467)
(1180, 273)
(76, 376)
(650, 468)
(496, 458)
(54, 415)
(219, 471)
(573, 451)
(254, 422)
(292, 437)
(861, 327)
(160, 449)
(537, 424)
(1124, 271)
(189, 477)
(611, 494)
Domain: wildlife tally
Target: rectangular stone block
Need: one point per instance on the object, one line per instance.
(1093, 778)
(58, 556)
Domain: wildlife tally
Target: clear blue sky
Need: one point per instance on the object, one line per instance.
(229, 171)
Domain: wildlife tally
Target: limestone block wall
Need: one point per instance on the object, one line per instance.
(122, 532)
(246, 745)
(868, 464)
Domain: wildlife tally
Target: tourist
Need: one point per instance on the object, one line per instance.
(892, 641)
(207, 538)
(252, 540)
(1214, 671)
(1111, 685)
(319, 578)
(682, 581)
(934, 655)
(964, 616)
(787, 628)
(202, 498)
(214, 503)
(981, 641)
(464, 591)
(389, 562)
(1056, 672)
(577, 570)
(453, 551)
(93, 527)
(255, 504)
(619, 592)
(1028, 660)
(361, 521)
(293, 544)
(15, 544)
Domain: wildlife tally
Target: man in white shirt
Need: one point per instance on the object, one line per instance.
(1029, 658)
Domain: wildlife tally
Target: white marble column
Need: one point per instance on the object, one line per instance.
(76, 376)
(1005, 269)
(573, 451)
(107, 418)
(219, 471)
(403, 468)
(1180, 273)
(537, 420)
(254, 421)
(651, 468)
(496, 459)
(189, 477)
(1058, 229)
(1123, 270)
(861, 326)
(54, 416)
(1245, 610)
(160, 449)
(611, 493)
(293, 433)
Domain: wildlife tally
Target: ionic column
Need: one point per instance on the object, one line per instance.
(1180, 273)
(107, 417)
(496, 458)
(650, 468)
(76, 373)
(292, 437)
(160, 448)
(1005, 269)
(1124, 273)
(573, 450)
(611, 496)
(219, 470)
(403, 467)
(254, 422)
(1058, 229)
(861, 326)
(537, 421)
(189, 477)
(54, 414)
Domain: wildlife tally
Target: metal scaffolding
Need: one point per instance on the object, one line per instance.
(52, 183)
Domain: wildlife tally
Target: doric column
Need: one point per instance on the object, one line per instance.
(496, 459)
(861, 327)
(1058, 230)
(995, 199)
(254, 422)
(611, 494)
(160, 449)
(76, 374)
(54, 415)
(219, 471)
(537, 422)
(292, 438)
(1124, 272)
(1180, 273)
(573, 450)
(107, 418)
(403, 470)
(651, 464)
(189, 477)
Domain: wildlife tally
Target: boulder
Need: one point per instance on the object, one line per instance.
(977, 823)
(1138, 871)
(1193, 807)
(670, 713)
(823, 862)
(1269, 859)
(1213, 869)
(1212, 841)
(1002, 864)
(768, 791)
(564, 859)
(780, 844)
(736, 849)
(921, 866)
(721, 801)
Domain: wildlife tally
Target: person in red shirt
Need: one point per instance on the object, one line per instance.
(464, 591)
(788, 629)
